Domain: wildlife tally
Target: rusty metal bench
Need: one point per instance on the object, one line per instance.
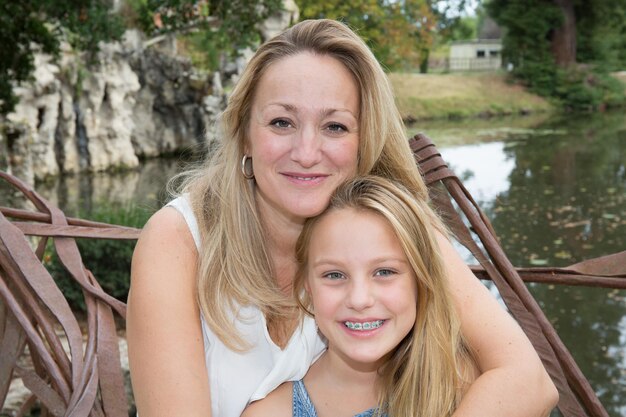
(88, 381)
(36, 320)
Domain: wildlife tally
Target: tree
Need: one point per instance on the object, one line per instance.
(563, 37)
(544, 40)
(401, 33)
(229, 24)
(28, 26)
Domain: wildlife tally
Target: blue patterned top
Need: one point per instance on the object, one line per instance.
(303, 407)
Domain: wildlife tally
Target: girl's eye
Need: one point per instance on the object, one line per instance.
(280, 123)
(337, 128)
(333, 275)
(384, 272)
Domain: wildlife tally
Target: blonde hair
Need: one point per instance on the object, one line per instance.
(424, 374)
(234, 264)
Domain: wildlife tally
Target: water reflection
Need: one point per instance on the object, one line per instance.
(557, 195)
(81, 193)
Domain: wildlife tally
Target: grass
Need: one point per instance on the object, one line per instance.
(455, 96)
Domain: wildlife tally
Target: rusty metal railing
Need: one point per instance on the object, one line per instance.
(35, 318)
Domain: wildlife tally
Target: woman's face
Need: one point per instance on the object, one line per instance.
(303, 135)
(362, 287)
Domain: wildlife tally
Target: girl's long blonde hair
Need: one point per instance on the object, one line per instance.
(235, 268)
(424, 375)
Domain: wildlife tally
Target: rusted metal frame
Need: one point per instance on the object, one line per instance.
(100, 342)
(485, 232)
(69, 256)
(110, 366)
(45, 218)
(559, 278)
(49, 230)
(49, 398)
(24, 189)
(26, 266)
(85, 400)
(426, 153)
(45, 287)
(31, 333)
(569, 403)
(57, 218)
(37, 314)
(12, 342)
(22, 273)
(577, 381)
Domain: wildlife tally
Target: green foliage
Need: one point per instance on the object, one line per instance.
(400, 33)
(582, 88)
(463, 29)
(38, 25)
(31, 25)
(527, 46)
(109, 260)
(215, 27)
(601, 36)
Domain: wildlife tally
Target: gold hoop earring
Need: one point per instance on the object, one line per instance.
(245, 173)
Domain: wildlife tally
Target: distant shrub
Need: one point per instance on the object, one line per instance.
(109, 260)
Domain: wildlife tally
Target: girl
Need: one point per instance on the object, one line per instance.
(372, 276)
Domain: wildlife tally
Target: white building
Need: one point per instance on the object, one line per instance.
(476, 55)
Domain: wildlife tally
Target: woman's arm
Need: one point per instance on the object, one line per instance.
(513, 381)
(278, 403)
(165, 345)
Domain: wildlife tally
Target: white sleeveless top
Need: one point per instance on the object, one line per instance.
(237, 378)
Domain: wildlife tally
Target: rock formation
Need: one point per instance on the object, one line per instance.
(134, 101)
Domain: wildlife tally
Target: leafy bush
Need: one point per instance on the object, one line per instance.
(108, 259)
(583, 88)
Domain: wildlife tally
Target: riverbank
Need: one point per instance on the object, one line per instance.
(454, 96)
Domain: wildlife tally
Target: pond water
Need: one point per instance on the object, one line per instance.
(554, 189)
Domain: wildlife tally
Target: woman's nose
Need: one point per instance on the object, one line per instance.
(307, 147)
(360, 295)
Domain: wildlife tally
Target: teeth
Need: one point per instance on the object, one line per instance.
(305, 178)
(368, 325)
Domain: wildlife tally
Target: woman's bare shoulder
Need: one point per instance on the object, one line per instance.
(164, 333)
(277, 404)
(168, 226)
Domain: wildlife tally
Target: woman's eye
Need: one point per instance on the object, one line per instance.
(280, 123)
(337, 128)
(333, 275)
(385, 272)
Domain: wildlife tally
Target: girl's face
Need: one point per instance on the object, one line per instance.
(361, 285)
(303, 135)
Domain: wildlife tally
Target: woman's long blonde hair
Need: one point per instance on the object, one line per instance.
(424, 374)
(235, 268)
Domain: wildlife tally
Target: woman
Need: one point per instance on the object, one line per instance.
(371, 275)
(211, 324)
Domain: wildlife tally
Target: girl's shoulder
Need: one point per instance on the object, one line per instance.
(276, 404)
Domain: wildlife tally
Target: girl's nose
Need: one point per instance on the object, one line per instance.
(307, 147)
(360, 295)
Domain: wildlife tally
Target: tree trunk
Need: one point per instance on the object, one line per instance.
(564, 38)
(424, 58)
